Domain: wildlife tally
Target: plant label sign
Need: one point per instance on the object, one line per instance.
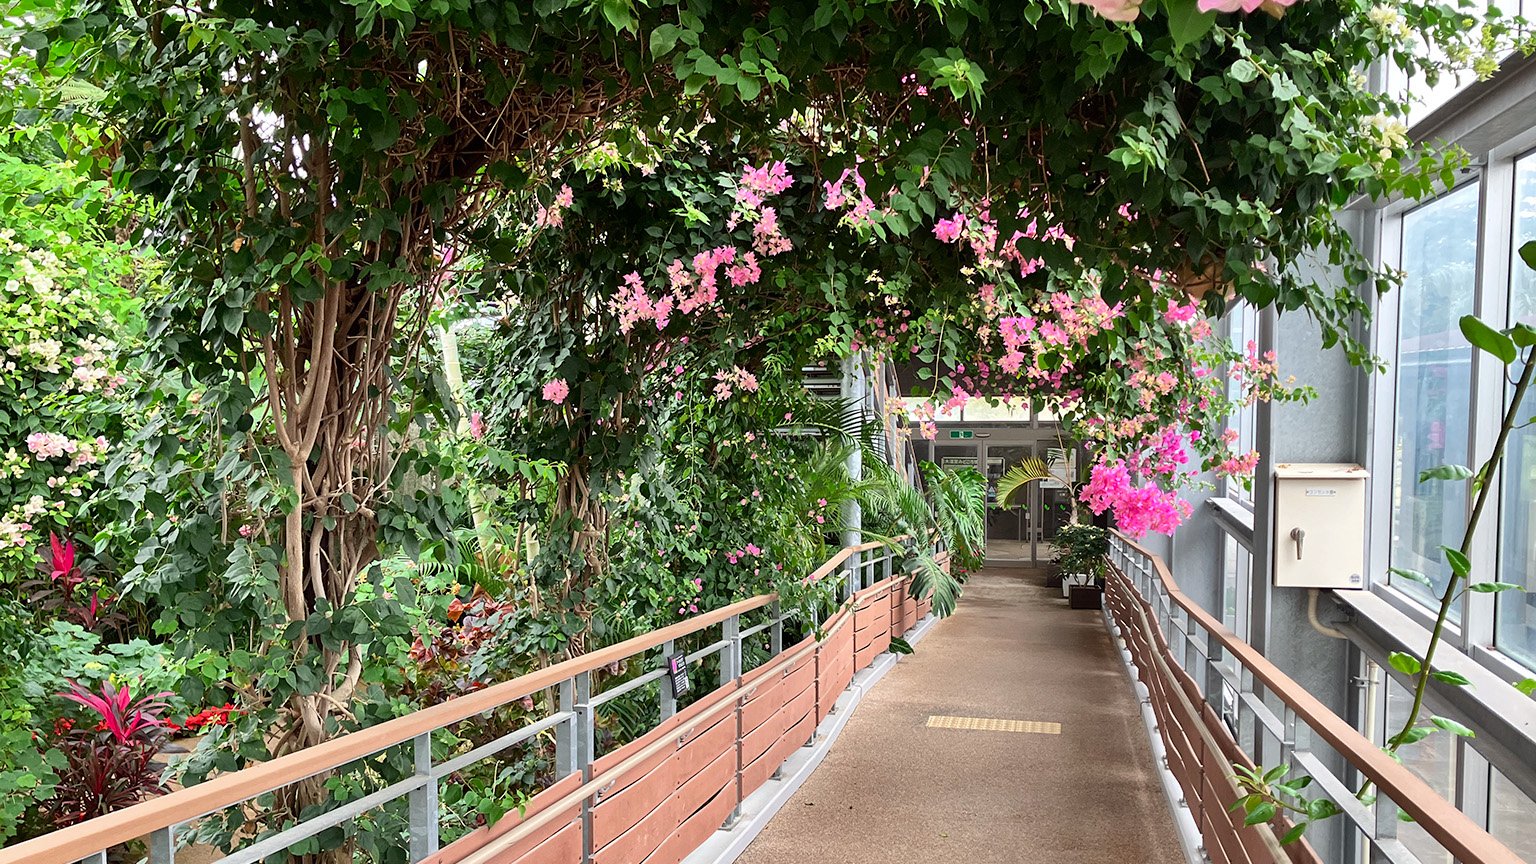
(677, 673)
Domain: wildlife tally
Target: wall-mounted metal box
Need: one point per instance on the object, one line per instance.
(1319, 525)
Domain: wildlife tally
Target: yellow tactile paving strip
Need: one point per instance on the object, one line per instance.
(993, 724)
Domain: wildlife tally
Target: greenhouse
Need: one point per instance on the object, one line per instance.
(681, 432)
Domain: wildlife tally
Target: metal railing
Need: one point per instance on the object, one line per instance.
(1200, 656)
(573, 724)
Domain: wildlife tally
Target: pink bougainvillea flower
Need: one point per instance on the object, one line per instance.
(477, 425)
(555, 391)
(1118, 10)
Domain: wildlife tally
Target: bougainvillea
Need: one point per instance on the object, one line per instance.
(63, 304)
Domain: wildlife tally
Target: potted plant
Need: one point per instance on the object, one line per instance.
(1084, 560)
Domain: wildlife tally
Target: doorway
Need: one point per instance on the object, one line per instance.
(1020, 530)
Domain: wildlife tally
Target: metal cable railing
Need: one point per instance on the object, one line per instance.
(880, 607)
(1186, 656)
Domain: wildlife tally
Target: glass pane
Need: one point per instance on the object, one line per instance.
(1434, 380)
(1434, 760)
(1013, 410)
(1512, 816)
(1007, 527)
(1516, 632)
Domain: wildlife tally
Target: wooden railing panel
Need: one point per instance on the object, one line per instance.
(1463, 838)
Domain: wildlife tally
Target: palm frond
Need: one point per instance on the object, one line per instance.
(1027, 470)
(929, 578)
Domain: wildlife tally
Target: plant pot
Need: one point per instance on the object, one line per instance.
(1086, 597)
(1053, 579)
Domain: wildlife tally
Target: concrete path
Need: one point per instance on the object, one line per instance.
(895, 791)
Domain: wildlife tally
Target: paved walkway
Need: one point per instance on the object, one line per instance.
(894, 791)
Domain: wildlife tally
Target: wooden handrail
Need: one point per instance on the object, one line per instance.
(1463, 838)
(226, 790)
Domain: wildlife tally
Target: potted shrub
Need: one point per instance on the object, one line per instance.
(1083, 559)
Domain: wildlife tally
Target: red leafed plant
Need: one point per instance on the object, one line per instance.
(65, 591)
(112, 763)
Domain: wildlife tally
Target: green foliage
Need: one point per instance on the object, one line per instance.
(1084, 551)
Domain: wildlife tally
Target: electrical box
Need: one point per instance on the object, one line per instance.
(1319, 525)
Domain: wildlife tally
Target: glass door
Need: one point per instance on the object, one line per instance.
(1011, 524)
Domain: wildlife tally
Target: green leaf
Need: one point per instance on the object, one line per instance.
(664, 39)
(1412, 736)
(1524, 335)
(1528, 253)
(1322, 808)
(1404, 663)
(1485, 338)
(1410, 575)
(1445, 472)
(1260, 814)
(1187, 24)
(1455, 678)
(1452, 727)
(1243, 71)
(1526, 686)
(1460, 565)
(1294, 834)
(1494, 587)
(900, 645)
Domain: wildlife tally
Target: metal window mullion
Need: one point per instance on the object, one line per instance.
(1489, 390)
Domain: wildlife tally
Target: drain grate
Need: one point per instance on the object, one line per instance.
(992, 724)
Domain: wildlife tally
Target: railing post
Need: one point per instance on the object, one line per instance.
(730, 670)
(889, 567)
(1386, 818)
(586, 745)
(1214, 654)
(776, 631)
(730, 657)
(162, 845)
(423, 802)
(95, 858)
(668, 701)
(565, 733)
(854, 572)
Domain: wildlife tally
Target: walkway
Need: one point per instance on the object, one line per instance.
(894, 791)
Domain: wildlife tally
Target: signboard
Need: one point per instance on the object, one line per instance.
(963, 434)
(957, 461)
(677, 673)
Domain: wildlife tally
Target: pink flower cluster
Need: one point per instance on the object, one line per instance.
(767, 238)
(553, 216)
(858, 205)
(751, 550)
(49, 445)
(690, 290)
(983, 236)
(1130, 10)
(1137, 509)
(757, 183)
(728, 381)
(556, 391)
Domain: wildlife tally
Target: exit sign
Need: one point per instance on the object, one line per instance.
(961, 433)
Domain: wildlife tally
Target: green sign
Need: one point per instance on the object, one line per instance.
(961, 433)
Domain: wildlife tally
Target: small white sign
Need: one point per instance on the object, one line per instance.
(1321, 493)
